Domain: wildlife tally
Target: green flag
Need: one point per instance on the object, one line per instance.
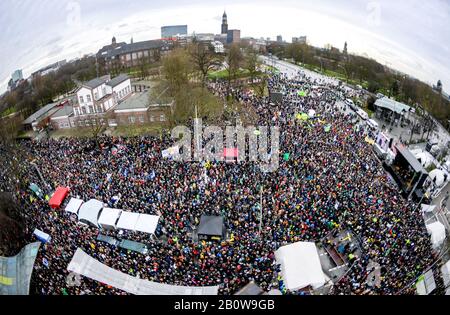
(302, 93)
(286, 156)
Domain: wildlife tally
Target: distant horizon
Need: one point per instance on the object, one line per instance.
(58, 30)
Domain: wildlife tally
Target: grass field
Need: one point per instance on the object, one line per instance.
(153, 129)
(223, 74)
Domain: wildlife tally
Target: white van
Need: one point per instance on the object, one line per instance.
(362, 114)
(372, 124)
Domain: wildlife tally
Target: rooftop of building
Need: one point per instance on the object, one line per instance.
(392, 105)
(97, 82)
(117, 80)
(45, 111)
(63, 111)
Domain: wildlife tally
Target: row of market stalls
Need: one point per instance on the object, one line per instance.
(94, 213)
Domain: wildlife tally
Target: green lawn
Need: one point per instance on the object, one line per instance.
(223, 74)
(153, 129)
(8, 111)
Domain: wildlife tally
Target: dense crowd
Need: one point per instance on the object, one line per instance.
(329, 181)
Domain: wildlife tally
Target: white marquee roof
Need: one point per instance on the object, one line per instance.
(109, 217)
(128, 220)
(90, 210)
(437, 232)
(147, 223)
(74, 205)
(300, 266)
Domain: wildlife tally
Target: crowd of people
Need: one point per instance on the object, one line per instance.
(330, 180)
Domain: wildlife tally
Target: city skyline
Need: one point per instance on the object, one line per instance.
(38, 35)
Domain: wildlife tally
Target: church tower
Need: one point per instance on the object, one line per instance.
(224, 23)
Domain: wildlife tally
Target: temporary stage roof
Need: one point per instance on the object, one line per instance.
(300, 266)
(87, 266)
(58, 197)
(89, 211)
(392, 105)
(147, 223)
(211, 225)
(128, 220)
(74, 205)
(108, 217)
(411, 159)
(437, 232)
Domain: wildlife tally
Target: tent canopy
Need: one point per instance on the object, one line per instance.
(438, 177)
(128, 220)
(147, 223)
(300, 266)
(427, 208)
(107, 239)
(74, 205)
(58, 197)
(89, 211)
(211, 225)
(437, 232)
(134, 246)
(35, 188)
(108, 217)
(230, 152)
(42, 236)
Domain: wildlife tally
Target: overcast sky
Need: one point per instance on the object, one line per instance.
(412, 36)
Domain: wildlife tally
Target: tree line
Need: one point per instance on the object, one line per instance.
(375, 77)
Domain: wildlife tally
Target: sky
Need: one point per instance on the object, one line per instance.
(412, 36)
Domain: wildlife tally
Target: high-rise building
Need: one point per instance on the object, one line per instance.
(279, 39)
(173, 31)
(224, 23)
(234, 36)
(17, 76)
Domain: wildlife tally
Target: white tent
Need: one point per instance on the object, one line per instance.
(445, 270)
(74, 205)
(90, 211)
(300, 266)
(437, 232)
(128, 220)
(108, 218)
(147, 223)
(427, 208)
(438, 177)
(425, 158)
(42, 236)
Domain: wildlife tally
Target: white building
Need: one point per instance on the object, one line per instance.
(218, 47)
(101, 94)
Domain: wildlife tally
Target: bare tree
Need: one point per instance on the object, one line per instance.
(233, 60)
(203, 58)
(252, 63)
(176, 70)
